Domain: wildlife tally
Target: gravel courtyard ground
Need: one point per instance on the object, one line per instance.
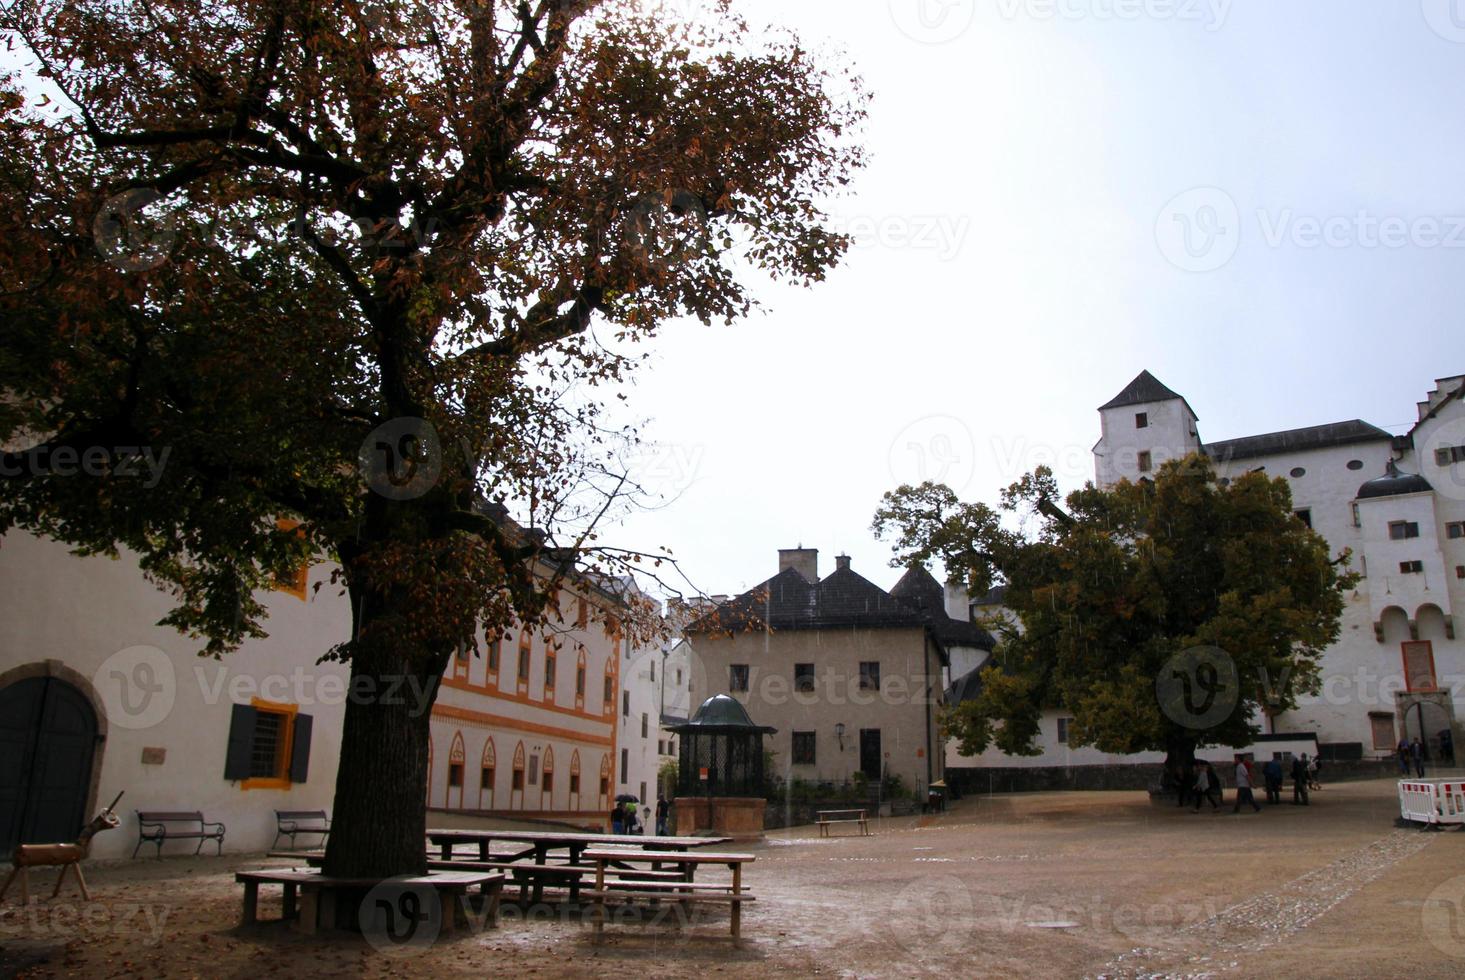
(1047, 884)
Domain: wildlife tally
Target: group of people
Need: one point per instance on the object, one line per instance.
(1201, 783)
(1412, 753)
(624, 818)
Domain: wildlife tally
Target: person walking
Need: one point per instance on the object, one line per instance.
(663, 811)
(1416, 753)
(618, 819)
(1272, 773)
(1202, 786)
(1403, 751)
(1243, 787)
(1299, 780)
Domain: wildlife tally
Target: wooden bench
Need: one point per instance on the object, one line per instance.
(160, 826)
(830, 817)
(288, 823)
(684, 891)
(309, 898)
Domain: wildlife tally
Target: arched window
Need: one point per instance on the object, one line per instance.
(454, 794)
(487, 770)
(604, 781)
(551, 664)
(516, 787)
(521, 673)
(579, 677)
(608, 701)
(546, 780)
(575, 780)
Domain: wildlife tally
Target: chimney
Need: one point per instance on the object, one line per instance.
(805, 561)
(841, 563)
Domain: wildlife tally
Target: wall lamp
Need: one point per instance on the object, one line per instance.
(839, 733)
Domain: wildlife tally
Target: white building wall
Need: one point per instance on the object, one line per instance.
(153, 692)
(1170, 434)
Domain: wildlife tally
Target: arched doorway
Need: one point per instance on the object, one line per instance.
(48, 743)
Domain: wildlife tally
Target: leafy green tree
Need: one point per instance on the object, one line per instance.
(1159, 615)
(374, 267)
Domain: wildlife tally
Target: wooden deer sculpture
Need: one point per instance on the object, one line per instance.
(68, 856)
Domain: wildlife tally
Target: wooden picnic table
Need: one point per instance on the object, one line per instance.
(529, 862)
(859, 816)
(731, 894)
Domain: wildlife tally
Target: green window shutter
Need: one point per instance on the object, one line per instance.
(300, 749)
(241, 742)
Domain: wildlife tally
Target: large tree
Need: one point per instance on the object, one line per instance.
(1159, 615)
(372, 267)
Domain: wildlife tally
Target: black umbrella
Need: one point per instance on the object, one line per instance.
(627, 798)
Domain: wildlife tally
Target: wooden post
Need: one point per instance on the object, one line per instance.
(737, 906)
(600, 897)
(251, 902)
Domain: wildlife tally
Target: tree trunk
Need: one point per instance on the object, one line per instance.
(379, 821)
(1179, 762)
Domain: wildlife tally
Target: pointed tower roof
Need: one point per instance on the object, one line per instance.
(1145, 388)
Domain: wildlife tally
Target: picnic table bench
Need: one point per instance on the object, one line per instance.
(684, 891)
(160, 826)
(309, 898)
(830, 817)
(288, 823)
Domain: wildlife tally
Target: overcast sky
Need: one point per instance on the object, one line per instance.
(1262, 203)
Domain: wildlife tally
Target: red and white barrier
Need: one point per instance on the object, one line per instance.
(1432, 801)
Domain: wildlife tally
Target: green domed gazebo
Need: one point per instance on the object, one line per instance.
(720, 778)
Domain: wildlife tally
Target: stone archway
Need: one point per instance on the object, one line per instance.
(52, 734)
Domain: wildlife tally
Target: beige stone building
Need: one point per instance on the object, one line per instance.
(850, 675)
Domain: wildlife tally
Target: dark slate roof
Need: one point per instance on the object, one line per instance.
(1393, 483)
(967, 687)
(841, 600)
(1144, 388)
(996, 596)
(919, 589)
(1297, 440)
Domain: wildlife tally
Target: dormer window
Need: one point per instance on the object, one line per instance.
(1141, 420)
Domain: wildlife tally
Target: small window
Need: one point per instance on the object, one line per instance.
(1399, 530)
(518, 783)
(1411, 567)
(1460, 571)
(524, 664)
(455, 775)
(610, 690)
(1357, 520)
(645, 724)
(870, 675)
(574, 782)
(1063, 725)
(546, 781)
(1446, 455)
(604, 786)
(549, 671)
(1455, 529)
(737, 677)
(493, 655)
(1141, 420)
(803, 749)
(1305, 516)
(1355, 464)
(1146, 462)
(266, 758)
(803, 677)
(653, 669)
(485, 778)
(626, 703)
(625, 764)
(679, 677)
(579, 680)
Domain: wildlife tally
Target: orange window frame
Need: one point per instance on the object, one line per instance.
(283, 753)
